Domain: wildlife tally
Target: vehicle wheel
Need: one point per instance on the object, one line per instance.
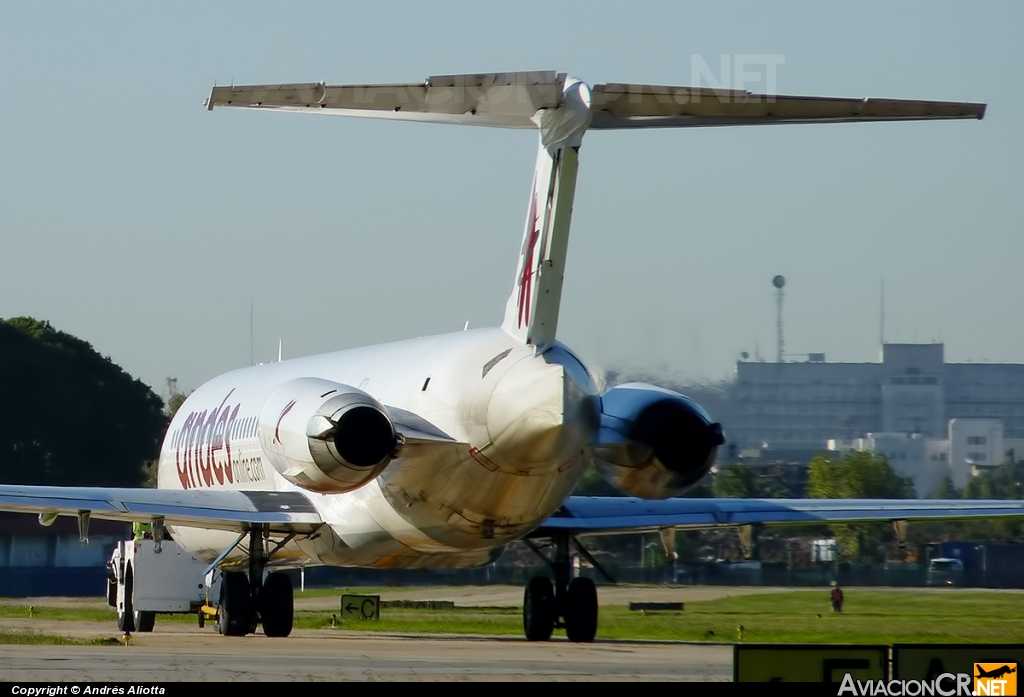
(235, 609)
(538, 609)
(277, 608)
(581, 610)
(125, 614)
(112, 591)
(144, 620)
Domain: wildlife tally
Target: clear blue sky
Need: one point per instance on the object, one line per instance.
(134, 218)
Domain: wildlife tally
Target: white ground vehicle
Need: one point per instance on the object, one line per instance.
(146, 578)
(943, 571)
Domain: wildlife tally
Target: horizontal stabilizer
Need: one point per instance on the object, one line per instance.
(512, 100)
(652, 106)
(504, 100)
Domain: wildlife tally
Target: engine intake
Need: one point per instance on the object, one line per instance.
(654, 443)
(325, 436)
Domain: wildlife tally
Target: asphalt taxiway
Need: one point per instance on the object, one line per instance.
(183, 652)
(316, 655)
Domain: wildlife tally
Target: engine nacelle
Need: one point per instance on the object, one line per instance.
(654, 443)
(325, 436)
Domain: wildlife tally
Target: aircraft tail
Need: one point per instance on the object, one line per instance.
(562, 109)
(531, 313)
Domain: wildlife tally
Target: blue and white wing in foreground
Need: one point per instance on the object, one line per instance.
(279, 511)
(583, 515)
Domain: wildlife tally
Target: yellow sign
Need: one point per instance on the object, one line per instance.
(995, 679)
(929, 661)
(360, 607)
(808, 662)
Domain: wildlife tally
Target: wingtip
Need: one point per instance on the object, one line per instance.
(981, 112)
(208, 102)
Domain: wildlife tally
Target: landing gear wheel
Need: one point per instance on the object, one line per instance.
(125, 614)
(235, 610)
(277, 608)
(539, 609)
(581, 610)
(144, 620)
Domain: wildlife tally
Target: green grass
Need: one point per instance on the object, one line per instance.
(73, 614)
(470, 620)
(869, 616)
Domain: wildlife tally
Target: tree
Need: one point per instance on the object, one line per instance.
(946, 490)
(857, 475)
(741, 481)
(593, 484)
(1003, 482)
(174, 403)
(69, 416)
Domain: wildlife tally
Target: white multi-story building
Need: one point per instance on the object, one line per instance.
(974, 444)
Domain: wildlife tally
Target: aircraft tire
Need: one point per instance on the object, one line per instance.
(235, 611)
(126, 616)
(581, 610)
(539, 609)
(277, 606)
(144, 620)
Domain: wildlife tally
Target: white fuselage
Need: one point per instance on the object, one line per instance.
(520, 424)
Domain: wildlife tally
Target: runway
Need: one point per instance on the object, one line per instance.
(183, 652)
(194, 654)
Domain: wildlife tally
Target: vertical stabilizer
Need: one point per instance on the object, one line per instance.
(531, 314)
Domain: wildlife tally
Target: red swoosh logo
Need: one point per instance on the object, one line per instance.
(526, 279)
(284, 412)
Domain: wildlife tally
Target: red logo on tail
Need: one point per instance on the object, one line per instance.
(526, 278)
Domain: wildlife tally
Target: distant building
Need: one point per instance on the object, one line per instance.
(974, 444)
(912, 406)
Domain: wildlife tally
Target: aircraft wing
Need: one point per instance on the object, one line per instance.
(583, 515)
(282, 511)
(655, 106)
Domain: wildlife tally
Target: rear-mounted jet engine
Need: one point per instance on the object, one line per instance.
(654, 443)
(325, 436)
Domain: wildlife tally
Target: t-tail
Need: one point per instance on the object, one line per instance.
(562, 109)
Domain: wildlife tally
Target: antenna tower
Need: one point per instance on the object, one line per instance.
(779, 282)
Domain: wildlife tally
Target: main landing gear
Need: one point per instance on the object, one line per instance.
(247, 598)
(569, 603)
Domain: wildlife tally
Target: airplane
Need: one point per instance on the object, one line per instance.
(995, 672)
(441, 451)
